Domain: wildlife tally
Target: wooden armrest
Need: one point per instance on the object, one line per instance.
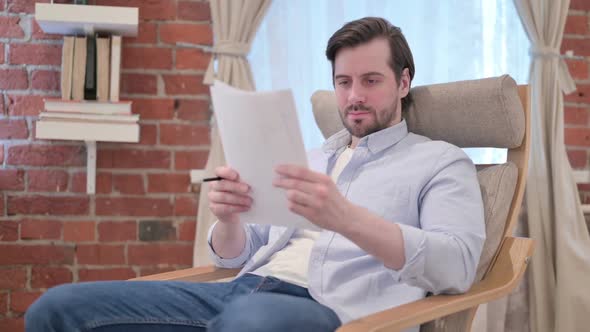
(195, 274)
(502, 278)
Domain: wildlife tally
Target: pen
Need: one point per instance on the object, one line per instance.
(217, 178)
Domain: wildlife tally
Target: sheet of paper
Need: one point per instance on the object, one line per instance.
(260, 130)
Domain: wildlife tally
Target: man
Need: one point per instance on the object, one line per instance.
(401, 216)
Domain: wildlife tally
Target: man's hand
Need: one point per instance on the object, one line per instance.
(314, 196)
(228, 197)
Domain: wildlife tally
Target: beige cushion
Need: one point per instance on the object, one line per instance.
(477, 113)
(497, 185)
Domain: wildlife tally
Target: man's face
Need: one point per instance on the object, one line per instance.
(368, 95)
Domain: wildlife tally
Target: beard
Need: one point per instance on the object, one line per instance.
(363, 127)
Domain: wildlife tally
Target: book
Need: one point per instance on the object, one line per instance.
(115, 67)
(90, 76)
(102, 68)
(79, 71)
(88, 107)
(67, 67)
(133, 118)
(87, 131)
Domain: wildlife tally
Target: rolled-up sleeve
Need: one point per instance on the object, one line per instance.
(256, 237)
(442, 256)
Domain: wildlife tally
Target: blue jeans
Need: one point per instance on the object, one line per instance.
(248, 303)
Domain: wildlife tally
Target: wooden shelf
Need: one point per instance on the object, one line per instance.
(67, 19)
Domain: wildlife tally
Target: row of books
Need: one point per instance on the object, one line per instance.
(91, 68)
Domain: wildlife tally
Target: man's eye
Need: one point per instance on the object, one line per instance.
(371, 82)
(343, 83)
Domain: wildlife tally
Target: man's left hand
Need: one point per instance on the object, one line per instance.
(314, 196)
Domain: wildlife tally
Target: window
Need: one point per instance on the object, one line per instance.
(450, 41)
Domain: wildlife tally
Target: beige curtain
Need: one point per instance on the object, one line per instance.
(234, 26)
(559, 293)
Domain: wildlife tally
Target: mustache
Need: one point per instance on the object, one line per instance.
(357, 108)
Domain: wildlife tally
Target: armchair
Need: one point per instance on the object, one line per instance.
(491, 112)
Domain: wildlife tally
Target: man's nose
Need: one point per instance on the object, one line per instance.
(357, 95)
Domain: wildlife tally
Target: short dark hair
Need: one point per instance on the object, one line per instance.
(365, 30)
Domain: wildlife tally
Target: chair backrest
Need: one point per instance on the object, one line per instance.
(490, 112)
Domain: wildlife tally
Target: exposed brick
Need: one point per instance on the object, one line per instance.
(576, 25)
(153, 109)
(103, 184)
(139, 83)
(156, 230)
(2, 6)
(35, 54)
(149, 134)
(161, 253)
(21, 300)
(186, 205)
(132, 206)
(36, 254)
(147, 33)
(100, 254)
(1, 53)
(148, 10)
(47, 180)
(47, 155)
(54, 205)
(173, 33)
(1, 154)
(185, 160)
(13, 129)
(8, 230)
(185, 85)
(32, 229)
(12, 324)
(2, 213)
(187, 230)
(22, 6)
(580, 5)
(39, 34)
(128, 158)
(19, 105)
(13, 79)
(576, 115)
(175, 134)
(13, 278)
(45, 80)
(79, 231)
(577, 136)
(10, 28)
(105, 274)
(147, 58)
(169, 183)
(3, 301)
(192, 59)
(578, 158)
(12, 179)
(148, 271)
(579, 46)
(128, 184)
(578, 69)
(116, 231)
(194, 11)
(194, 110)
(46, 277)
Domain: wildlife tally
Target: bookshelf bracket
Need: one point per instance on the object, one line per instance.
(91, 167)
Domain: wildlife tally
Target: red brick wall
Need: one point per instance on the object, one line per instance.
(142, 218)
(577, 104)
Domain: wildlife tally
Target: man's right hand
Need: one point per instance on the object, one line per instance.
(228, 197)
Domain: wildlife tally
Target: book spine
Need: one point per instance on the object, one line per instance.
(90, 81)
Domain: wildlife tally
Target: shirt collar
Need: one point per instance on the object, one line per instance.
(375, 142)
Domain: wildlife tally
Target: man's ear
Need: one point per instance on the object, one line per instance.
(404, 83)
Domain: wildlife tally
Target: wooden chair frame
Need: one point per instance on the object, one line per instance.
(503, 275)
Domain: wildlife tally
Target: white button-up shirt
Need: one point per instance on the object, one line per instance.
(429, 188)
